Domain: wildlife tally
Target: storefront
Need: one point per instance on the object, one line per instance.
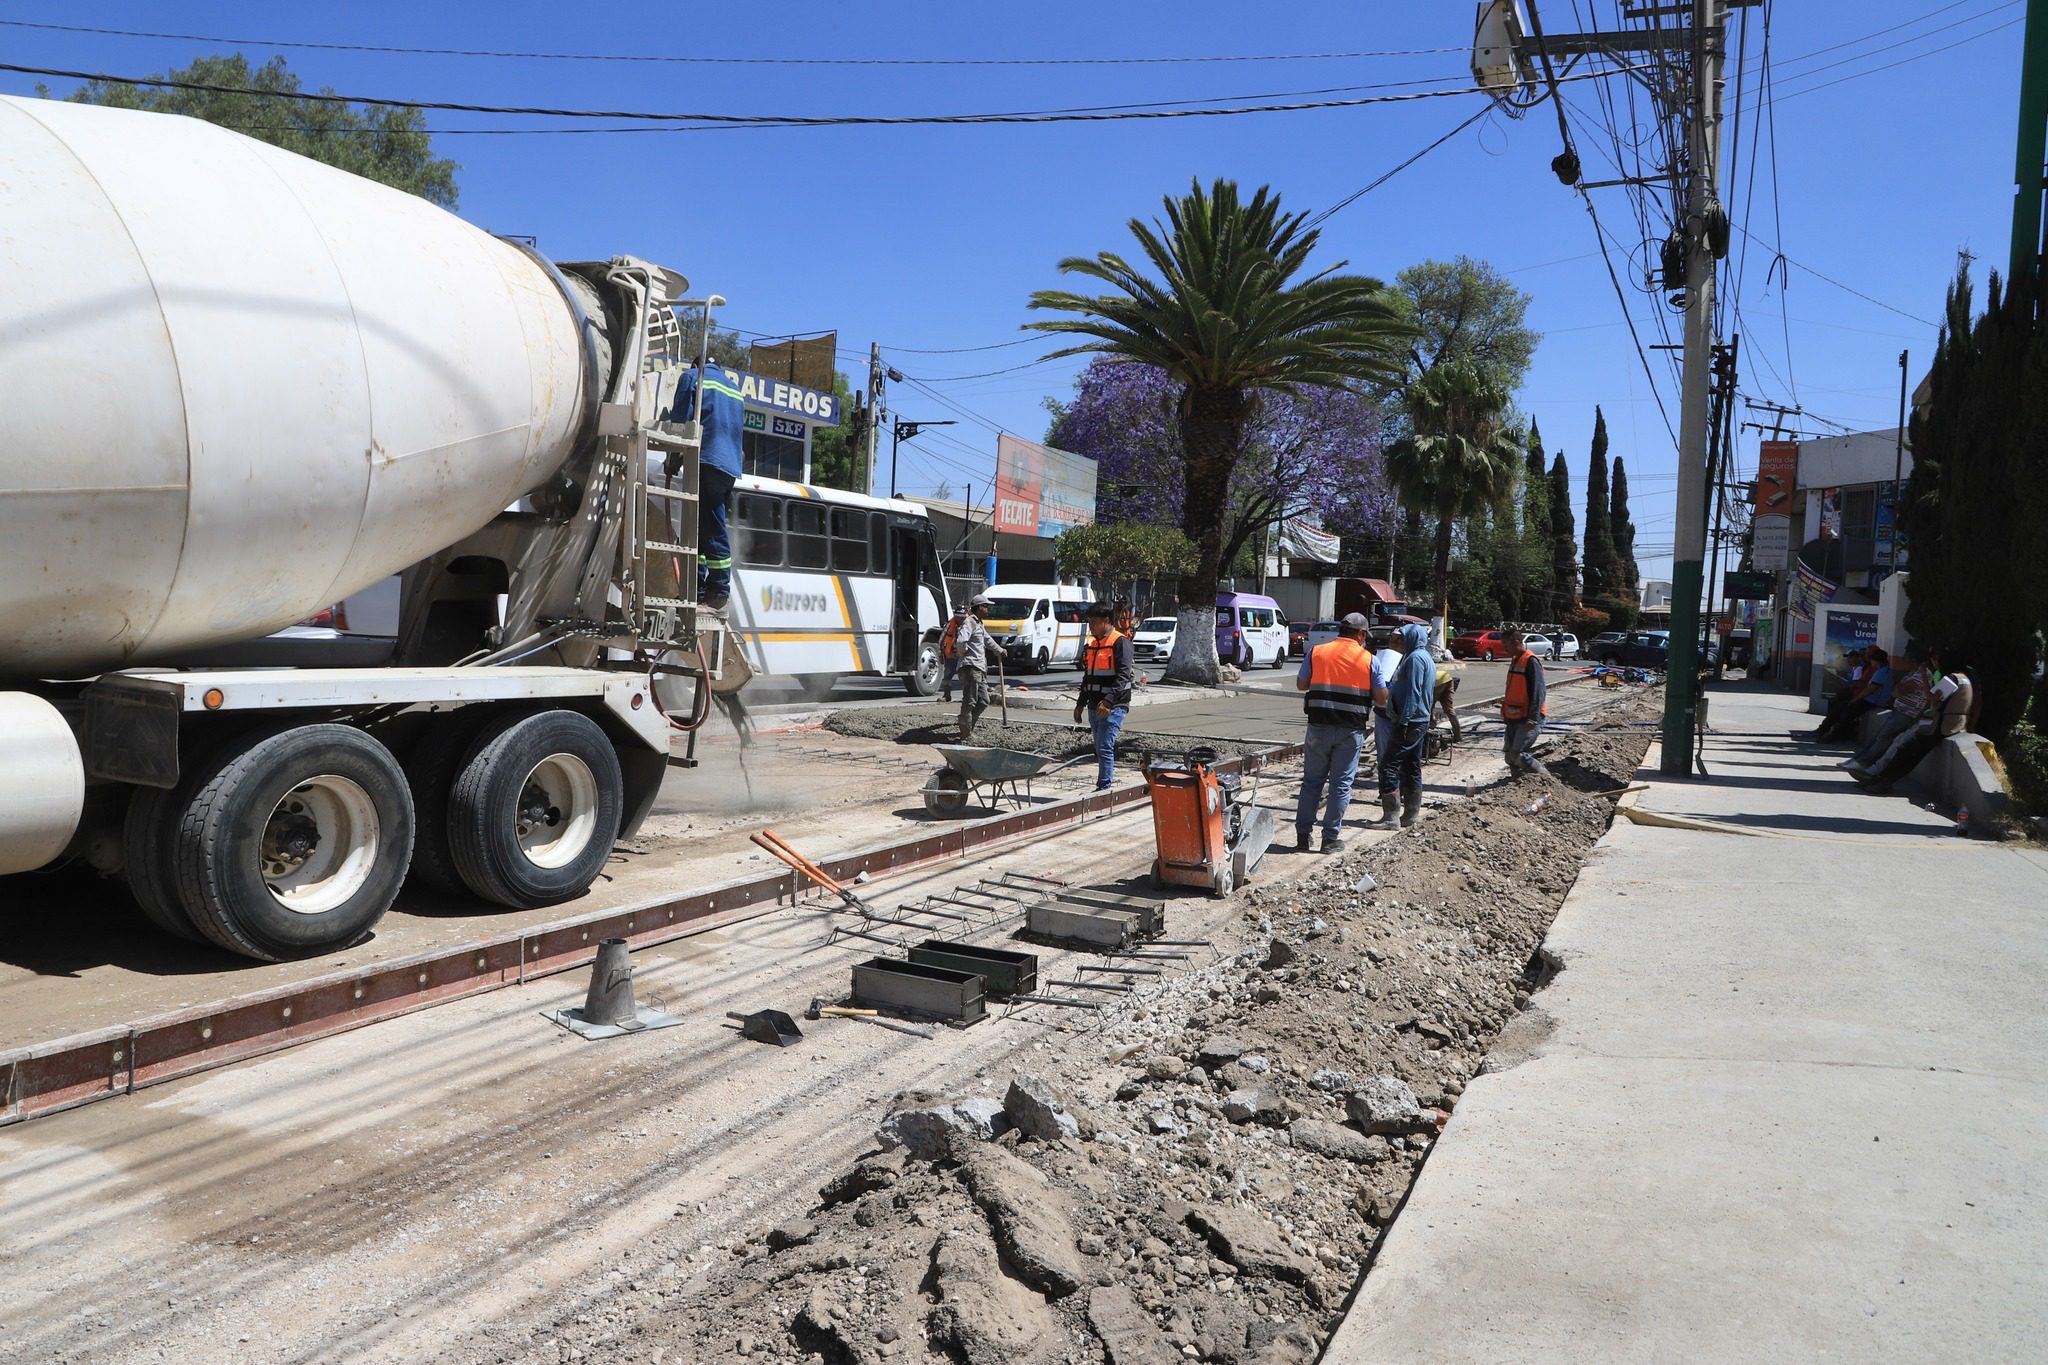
(781, 418)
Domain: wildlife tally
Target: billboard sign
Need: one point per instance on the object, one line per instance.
(1777, 475)
(1840, 632)
(1041, 491)
(1739, 586)
(1810, 592)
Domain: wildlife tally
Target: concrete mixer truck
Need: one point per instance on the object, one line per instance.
(237, 386)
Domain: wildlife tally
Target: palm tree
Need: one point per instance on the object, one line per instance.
(1226, 319)
(1460, 454)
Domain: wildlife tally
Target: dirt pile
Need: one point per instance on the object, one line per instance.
(940, 725)
(1244, 1132)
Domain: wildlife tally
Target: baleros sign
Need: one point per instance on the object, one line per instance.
(1041, 491)
(1777, 475)
(790, 400)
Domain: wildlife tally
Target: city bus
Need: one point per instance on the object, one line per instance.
(828, 584)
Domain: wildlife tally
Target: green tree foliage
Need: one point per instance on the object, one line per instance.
(1466, 307)
(1230, 314)
(1564, 545)
(1460, 456)
(386, 145)
(1596, 570)
(1978, 498)
(835, 454)
(1629, 580)
(1128, 550)
(1538, 590)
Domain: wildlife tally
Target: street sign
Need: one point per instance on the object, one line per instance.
(1738, 586)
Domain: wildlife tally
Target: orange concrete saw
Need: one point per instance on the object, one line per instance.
(1206, 827)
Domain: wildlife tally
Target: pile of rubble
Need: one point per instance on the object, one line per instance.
(1209, 1181)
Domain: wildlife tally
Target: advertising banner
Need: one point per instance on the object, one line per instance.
(1810, 592)
(1777, 474)
(1041, 491)
(1840, 632)
(1890, 550)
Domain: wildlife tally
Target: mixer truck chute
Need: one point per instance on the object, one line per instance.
(239, 386)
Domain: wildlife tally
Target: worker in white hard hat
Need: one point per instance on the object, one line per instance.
(975, 648)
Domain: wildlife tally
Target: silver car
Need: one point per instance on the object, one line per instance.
(1567, 645)
(1539, 644)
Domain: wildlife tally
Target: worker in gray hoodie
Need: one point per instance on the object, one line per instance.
(1411, 696)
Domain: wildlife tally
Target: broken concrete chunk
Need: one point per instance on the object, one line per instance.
(1249, 1242)
(982, 1313)
(1255, 1103)
(1036, 1109)
(1129, 1336)
(1385, 1104)
(1256, 1065)
(792, 1235)
(1336, 1082)
(1024, 1210)
(929, 1133)
(1279, 953)
(1335, 1140)
(1219, 1051)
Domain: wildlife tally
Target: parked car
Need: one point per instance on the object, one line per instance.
(1319, 633)
(1639, 649)
(1478, 644)
(1537, 643)
(1153, 639)
(1567, 645)
(1601, 646)
(1297, 638)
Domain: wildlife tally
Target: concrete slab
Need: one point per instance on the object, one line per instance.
(1783, 1102)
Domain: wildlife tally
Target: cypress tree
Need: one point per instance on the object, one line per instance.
(1537, 594)
(1628, 579)
(1598, 566)
(1564, 569)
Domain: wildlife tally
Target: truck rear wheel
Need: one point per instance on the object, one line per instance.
(295, 843)
(534, 812)
(148, 866)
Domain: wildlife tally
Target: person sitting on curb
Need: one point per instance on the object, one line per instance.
(1873, 692)
(1108, 673)
(1909, 704)
(1523, 707)
(1858, 668)
(1953, 698)
(1338, 676)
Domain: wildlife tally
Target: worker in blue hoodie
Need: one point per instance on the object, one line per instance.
(1411, 696)
(724, 415)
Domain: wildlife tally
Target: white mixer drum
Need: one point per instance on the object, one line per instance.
(237, 385)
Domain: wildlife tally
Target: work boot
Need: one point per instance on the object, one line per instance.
(1333, 843)
(1535, 766)
(1301, 841)
(1390, 809)
(1411, 808)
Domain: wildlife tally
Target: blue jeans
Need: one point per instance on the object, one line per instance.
(714, 541)
(1402, 769)
(1521, 738)
(1383, 750)
(1329, 762)
(1106, 729)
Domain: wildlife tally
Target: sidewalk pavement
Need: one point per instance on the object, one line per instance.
(1783, 1102)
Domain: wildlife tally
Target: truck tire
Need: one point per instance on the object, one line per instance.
(146, 853)
(534, 812)
(924, 680)
(295, 843)
(430, 774)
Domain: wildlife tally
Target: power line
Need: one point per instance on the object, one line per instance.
(778, 120)
(1829, 279)
(1600, 234)
(1348, 200)
(1918, 56)
(729, 61)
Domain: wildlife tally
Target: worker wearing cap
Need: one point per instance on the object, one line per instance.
(712, 396)
(949, 648)
(1108, 673)
(1522, 706)
(974, 647)
(1338, 678)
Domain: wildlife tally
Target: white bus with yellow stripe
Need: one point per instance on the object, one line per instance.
(828, 583)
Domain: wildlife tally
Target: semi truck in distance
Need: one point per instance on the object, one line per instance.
(237, 386)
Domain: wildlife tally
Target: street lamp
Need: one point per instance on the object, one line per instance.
(907, 431)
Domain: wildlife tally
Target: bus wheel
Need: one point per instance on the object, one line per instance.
(924, 680)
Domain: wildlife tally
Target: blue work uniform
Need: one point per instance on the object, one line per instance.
(720, 463)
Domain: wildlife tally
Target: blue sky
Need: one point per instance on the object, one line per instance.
(927, 239)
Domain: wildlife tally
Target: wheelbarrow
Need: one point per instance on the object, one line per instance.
(988, 775)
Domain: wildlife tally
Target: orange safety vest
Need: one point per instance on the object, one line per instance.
(1515, 705)
(949, 643)
(1098, 662)
(1340, 684)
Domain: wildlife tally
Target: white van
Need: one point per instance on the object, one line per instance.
(1038, 624)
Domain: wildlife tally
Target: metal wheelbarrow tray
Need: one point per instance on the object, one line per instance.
(985, 774)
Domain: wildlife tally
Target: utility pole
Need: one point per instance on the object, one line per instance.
(2033, 147)
(876, 391)
(902, 431)
(1702, 207)
(1717, 487)
(1891, 565)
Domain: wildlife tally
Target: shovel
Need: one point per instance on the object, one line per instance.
(768, 1026)
(774, 843)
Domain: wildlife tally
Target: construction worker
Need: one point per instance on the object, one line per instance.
(1337, 675)
(949, 648)
(1385, 660)
(1447, 670)
(1522, 706)
(1411, 694)
(712, 396)
(976, 649)
(1109, 671)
